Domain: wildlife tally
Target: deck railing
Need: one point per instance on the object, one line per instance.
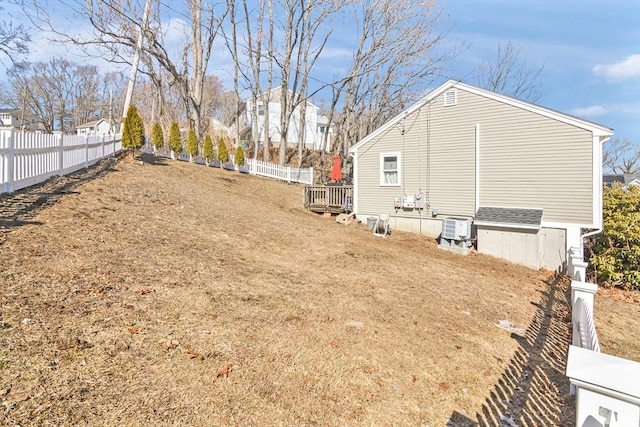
(607, 388)
(29, 158)
(328, 198)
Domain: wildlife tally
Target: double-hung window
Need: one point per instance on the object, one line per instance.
(390, 167)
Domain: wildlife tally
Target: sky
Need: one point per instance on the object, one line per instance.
(590, 51)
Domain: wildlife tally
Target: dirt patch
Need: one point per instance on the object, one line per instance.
(169, 293)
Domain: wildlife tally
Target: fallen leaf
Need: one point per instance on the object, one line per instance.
(443, 386)
(194, 354)
(223, 372)
(134, 330)
(145, 291)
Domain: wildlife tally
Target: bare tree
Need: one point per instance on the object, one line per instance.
(116, 26)
(511, 75)
(394, 59)
(14, 41)
(62, 94)
(621, 156)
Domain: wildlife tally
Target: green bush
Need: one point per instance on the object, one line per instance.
(133, 130)
(175, 141)
(223, 152)
(157, 137)
(192, 143)
(616, 251)
(207, 148)
(238, 156)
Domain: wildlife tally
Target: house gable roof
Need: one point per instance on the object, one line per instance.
(598, 130)
(91, 124)
(274, 96)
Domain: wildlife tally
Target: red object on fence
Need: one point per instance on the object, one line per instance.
(336, 172)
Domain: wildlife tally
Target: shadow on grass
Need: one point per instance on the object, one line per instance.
(152, 159)
(533, 389)
(19, 208)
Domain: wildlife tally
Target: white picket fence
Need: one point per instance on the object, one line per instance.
(607, 388)
(29, 158)
(283, 173)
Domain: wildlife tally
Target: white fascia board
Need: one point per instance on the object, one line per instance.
(413, 108)
(506, 225)
(597, 129)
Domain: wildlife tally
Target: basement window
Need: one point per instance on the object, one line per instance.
(450, 98)
(390, 169)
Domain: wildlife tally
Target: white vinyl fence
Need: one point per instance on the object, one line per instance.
(251, 166)
(607, 388)
(283, 173)
(29, 158)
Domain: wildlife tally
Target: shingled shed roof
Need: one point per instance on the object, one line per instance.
(509, 217)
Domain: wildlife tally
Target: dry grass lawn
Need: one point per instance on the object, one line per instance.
(167, 293)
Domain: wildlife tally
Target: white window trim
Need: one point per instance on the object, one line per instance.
(391, 154)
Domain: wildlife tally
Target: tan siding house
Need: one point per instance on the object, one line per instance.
(476, 154)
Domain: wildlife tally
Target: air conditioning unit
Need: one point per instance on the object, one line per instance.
(456, 228)
(456, 235)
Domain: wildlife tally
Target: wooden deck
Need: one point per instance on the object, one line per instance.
(327, 198)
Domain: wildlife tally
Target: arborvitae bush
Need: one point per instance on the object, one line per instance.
(175, 141)
(223, 153)
(157, 137)
(207, 148)
(133, 130)
(616, 251)
(192, 143)
(238, 156)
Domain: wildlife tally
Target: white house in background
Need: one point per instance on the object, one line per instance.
(323, 128)
(96, 127)
(529, 178)
(217, 128)
(12, 118)
(310, 134)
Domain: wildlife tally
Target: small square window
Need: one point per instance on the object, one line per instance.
(261, 110)
(390, 167)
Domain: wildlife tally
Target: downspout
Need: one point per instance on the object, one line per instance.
(579, 266)
(597, 167)
(477, 177)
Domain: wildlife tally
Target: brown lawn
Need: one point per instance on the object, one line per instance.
(166, 293)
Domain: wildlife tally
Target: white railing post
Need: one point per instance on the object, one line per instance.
(310, 176)
(86, 151)
(60, 154)
(11, 159)
(585, 292)
(578, 266)
(288, 173)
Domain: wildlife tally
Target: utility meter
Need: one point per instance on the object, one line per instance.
(397, 202)
(408, 202)
(420, 200)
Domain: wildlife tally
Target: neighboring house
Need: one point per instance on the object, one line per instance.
(625, 179)
(217, 129)
(96, 127)
(322, 129)
(530, 177)
(309, 134)
(13, 118)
